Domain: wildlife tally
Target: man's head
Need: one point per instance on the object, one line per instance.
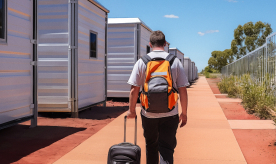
(157, 39)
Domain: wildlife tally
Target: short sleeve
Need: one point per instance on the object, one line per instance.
(181, 78)
(138, 74)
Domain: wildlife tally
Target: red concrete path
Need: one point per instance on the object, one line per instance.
(207, 138)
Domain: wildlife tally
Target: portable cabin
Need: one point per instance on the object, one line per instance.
(72, 51)
(178, 53)
(194, 76)
(167, 47)
(187, 68)
(193, 71)
(128, 41)
(17, 68)
(196, 73)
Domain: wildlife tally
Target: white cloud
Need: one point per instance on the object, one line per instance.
(211, 31)
(207, 32)
(232, 0)
(201, 33)
(171, 16)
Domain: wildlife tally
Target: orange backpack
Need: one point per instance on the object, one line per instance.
(158, 94)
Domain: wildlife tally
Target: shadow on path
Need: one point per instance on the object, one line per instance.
(101, 113)
(19, 141)
(94, 113)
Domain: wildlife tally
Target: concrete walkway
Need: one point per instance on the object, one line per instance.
(206, 139)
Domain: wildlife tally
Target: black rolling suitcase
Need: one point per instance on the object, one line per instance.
(125, 153)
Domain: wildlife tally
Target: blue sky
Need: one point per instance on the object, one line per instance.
(196, 27)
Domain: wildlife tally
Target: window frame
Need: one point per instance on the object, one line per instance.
(148, 48)
(93, 32)
(4, 40)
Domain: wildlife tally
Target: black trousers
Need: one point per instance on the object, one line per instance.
(160, 137)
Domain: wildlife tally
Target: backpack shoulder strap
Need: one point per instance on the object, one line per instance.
(170, 58)
(146, 59)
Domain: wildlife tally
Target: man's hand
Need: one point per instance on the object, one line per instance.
(184, 104)
(131, 114)
(133, 96)
(183, 120)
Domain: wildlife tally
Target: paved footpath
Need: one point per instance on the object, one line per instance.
(206, 139)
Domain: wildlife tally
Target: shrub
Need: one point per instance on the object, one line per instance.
(257, 97)
(222, 85)
(250, 92)
(230, 85)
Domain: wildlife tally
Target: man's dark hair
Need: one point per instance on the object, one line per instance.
(157, 39)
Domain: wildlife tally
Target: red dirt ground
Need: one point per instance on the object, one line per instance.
(235, 111)
(213, 85)
(56, 134)
(257, 145)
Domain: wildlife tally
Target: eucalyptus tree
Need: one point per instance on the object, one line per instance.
(249, 37)
(220, 59)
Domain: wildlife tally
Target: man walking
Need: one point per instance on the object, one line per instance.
(159, 114)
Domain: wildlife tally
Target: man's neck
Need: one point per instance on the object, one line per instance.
(158, 49)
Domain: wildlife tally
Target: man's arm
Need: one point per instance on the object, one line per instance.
(184, 105)
(133, 96)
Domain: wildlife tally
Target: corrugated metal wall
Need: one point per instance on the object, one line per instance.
(53, 76)
(122, 55)
(15, 70)
(144, 41)
(91, 71)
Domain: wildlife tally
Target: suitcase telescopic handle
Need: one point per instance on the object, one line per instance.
(135, 136)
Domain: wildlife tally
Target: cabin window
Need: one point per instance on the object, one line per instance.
(148, 49)
(93, 45)
(3, 21)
